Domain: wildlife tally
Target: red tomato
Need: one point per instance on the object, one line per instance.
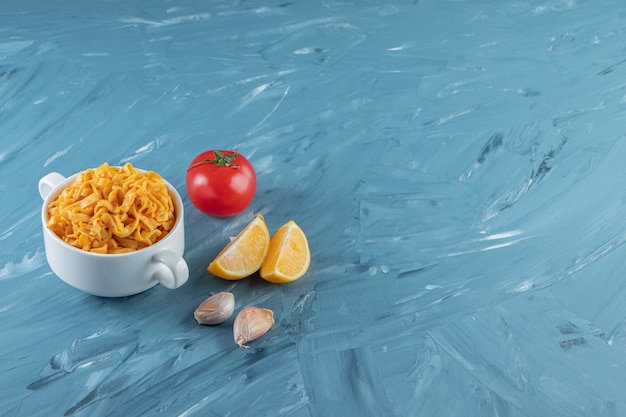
(221, 183)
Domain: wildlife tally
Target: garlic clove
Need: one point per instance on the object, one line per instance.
(216, 309)
(252, 323)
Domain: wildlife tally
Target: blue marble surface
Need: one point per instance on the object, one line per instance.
(457, 165)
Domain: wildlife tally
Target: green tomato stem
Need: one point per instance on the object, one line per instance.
(221, 159)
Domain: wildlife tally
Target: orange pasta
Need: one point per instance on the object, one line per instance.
(113, 210)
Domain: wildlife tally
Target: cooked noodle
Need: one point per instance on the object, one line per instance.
(113, 210)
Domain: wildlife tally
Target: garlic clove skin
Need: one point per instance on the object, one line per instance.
(216, 309)
(252, 323)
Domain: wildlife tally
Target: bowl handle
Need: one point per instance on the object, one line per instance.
(49, 183)
(172, 271)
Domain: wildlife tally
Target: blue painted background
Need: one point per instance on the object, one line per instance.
(457, 165)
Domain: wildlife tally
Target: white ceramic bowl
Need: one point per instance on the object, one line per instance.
(114, 275)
